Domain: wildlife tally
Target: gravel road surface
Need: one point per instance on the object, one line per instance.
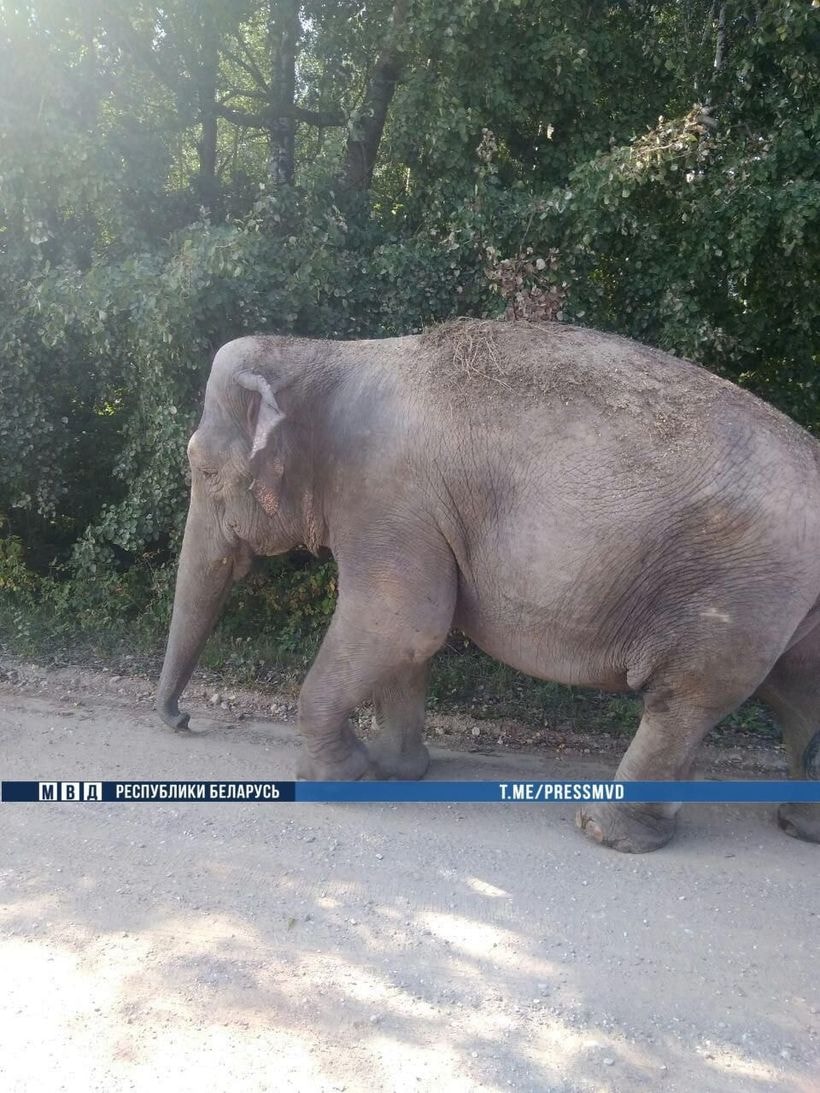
(376, 947)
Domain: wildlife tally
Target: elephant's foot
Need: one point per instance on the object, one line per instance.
(174, 718)
(352, 767)
(801, 820)
(632, 829)
(391, 762)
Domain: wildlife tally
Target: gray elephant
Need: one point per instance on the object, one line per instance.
(586, 509)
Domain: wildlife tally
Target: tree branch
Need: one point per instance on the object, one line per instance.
(252, 71)
(250, 64)
(129, 39)
(263, 119)
(240, 117)
(320, 118)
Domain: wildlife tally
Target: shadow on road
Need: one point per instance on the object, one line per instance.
(398, 947)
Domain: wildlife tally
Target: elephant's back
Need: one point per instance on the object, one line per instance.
(556, 372)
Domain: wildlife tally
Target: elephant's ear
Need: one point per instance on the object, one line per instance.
(264, 413)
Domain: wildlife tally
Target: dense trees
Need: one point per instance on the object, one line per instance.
(173, 174)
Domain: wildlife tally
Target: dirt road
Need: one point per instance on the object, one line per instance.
(377, 947)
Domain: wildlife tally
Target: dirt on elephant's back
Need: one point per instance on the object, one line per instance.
(550, 358)
(510, 364)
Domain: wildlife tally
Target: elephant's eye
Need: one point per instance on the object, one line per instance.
(208, 474)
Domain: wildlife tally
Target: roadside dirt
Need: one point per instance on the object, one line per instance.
(732, 753)
(361, 947)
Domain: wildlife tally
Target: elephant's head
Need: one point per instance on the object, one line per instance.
(243, 501)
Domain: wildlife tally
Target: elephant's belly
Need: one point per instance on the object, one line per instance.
(556, 646)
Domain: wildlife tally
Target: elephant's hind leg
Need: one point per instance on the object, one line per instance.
(398, 751)
(679, 710)
(662, 749)
(792, 692)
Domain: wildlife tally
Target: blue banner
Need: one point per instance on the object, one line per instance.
(507, 792)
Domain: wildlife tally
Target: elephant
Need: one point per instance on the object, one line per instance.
(585, 508)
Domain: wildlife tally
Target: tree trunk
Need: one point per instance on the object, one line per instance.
(718, 20)
(206, 80)
(368, 124)
(284, 28)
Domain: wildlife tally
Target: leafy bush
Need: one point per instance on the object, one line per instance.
(523, 170)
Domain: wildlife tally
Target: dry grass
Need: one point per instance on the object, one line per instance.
(470, 348)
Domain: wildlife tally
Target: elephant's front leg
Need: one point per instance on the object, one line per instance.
(398, 751)
(379, 643)
(342, 676)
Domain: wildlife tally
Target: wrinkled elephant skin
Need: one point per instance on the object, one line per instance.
(586, 509)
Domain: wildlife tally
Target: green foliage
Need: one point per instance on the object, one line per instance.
(15, 576)
(649, 168)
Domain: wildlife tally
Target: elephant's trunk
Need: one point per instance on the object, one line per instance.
(207, 568)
